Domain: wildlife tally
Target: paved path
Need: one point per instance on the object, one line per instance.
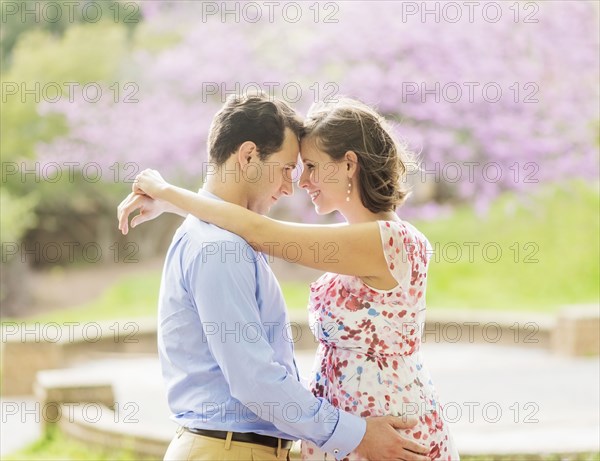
(20, 423)
(498, 399)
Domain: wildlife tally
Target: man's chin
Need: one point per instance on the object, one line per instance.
(263, 210)
(260, 208)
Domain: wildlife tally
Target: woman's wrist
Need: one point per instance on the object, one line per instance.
(170, 194)
(164, 192)
(170, 208)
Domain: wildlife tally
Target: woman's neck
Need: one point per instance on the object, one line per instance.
(357, 215)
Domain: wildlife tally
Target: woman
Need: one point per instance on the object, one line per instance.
(369, 306)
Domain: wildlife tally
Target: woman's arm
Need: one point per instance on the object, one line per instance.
(346, 249)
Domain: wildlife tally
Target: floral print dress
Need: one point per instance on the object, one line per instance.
(368, 361)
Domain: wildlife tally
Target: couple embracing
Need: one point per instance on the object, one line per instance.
(239, 397)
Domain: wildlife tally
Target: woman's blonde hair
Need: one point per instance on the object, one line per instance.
(347, 124)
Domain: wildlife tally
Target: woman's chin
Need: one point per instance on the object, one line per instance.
(321, 210)
(318, 210)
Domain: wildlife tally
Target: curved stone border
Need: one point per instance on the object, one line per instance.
(30, 347)
(112, 436)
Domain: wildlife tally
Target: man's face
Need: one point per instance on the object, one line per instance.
(272, 178)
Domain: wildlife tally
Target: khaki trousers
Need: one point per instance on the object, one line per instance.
(186, 446)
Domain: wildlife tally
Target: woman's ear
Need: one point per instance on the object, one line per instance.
(351, 161)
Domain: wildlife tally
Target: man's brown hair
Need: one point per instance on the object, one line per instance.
(255, 118)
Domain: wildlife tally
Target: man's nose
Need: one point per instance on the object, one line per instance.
(287, 188)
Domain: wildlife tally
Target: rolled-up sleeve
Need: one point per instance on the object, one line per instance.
(224, 292)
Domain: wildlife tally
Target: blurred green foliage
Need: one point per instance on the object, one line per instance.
(39, 57)
(549, 244)
(22, 16)
(36, 54)
(17, 215)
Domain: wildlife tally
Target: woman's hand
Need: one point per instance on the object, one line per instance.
(149, 182)
(149, 209)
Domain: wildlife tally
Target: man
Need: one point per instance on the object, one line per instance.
(223, 336)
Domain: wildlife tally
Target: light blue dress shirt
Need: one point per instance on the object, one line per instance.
(225, 345)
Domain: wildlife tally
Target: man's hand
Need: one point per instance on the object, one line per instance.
(382, 442)
(149, 209)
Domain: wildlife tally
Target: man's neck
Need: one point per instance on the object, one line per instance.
(228, 191)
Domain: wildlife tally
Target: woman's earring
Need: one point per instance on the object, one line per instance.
(349, 187)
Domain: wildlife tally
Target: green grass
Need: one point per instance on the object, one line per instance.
(55, 446)
(136, 296)
(559, 265)
(295, 294)
(133, 296)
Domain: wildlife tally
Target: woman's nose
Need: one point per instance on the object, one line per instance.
(304, 179)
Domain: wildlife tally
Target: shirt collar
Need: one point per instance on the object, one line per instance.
(205, 193)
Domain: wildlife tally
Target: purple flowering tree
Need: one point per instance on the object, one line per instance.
(491, 103)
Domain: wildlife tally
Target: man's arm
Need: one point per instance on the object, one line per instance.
(224, 288)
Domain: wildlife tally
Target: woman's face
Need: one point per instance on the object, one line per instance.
(325, 179)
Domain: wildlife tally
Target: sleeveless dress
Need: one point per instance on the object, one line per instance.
(368, 362)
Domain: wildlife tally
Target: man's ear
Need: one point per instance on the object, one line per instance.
(246, 152)
(351, 163)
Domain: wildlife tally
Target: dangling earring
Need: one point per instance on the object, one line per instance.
(349, 187)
